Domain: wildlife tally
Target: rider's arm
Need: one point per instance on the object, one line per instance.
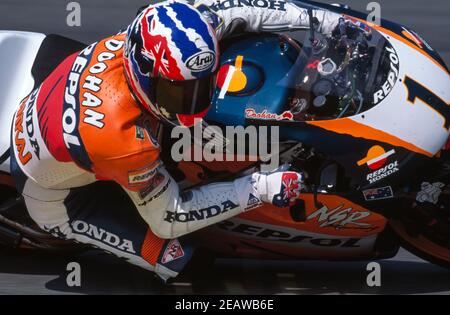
(168, 212)
(228, 17)
(171, 213)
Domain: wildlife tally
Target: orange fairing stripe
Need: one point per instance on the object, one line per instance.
(357, 130)
(404, 41)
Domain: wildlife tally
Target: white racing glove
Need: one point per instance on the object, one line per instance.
(279, 188)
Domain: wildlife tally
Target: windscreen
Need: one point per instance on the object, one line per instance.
(341, 75)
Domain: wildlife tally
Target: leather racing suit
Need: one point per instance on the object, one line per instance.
(81, 128)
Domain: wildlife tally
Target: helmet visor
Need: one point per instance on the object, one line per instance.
(183, 97)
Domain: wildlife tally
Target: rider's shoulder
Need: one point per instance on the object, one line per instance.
(110, 116)
(106, 51)
(120, 133)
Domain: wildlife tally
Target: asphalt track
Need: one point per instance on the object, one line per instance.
(32, 273)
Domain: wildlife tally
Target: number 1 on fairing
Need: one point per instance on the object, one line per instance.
(418, 91)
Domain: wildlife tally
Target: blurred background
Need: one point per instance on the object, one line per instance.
(100, 18)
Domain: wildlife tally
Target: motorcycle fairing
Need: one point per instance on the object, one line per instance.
(349, 139)
(339, 229)
(398, 119)
(362, 144)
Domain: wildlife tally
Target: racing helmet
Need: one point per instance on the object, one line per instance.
(170, 57)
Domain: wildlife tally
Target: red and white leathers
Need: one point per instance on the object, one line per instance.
(82, 125)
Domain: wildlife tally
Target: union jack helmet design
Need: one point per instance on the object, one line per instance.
(170, 56)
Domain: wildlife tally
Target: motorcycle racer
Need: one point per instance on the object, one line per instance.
(84, 153)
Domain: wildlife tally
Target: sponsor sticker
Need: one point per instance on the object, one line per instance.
(340, 218)
(201, 61)
(430, 192)
(156, 195)
(376, 160)
(140, 135)
(143, 175)
(30, 124)
(20, 141)
(251, 113)
(230, 4)
(378, 193)
(153, 183)
(200, 214)
(173, 252)
(391, 78)
(253, 202)
(287, 236)
(106, 237)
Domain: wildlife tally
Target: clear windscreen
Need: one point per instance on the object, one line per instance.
(303, 75)
(341, 75)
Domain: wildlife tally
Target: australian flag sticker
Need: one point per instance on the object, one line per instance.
(378, 193)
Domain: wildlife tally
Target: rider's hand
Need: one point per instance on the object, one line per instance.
(279, 188)
(347, 27)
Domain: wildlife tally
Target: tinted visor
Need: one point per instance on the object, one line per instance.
(183, 97)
